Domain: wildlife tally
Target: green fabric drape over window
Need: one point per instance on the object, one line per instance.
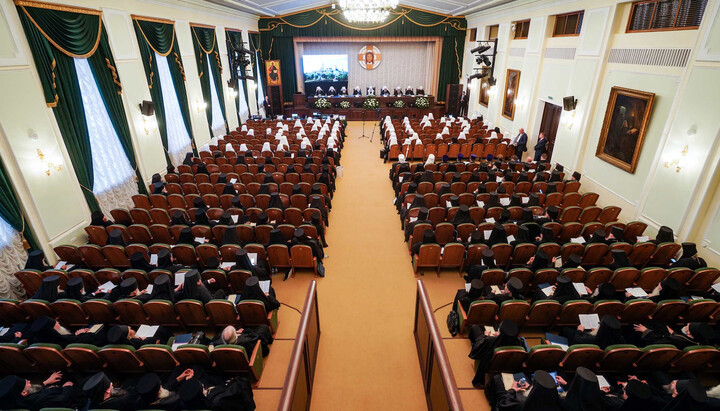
(205, 45)
(277, 33)
(56, 38)
(235, 37)
(256, 58)
(156, 36)
(10, 208)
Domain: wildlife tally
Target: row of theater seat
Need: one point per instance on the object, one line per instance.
(124, 359)
(160, 217)
(457, 255)
(278, 256)
(697, 281)
(550, 313)
(183, 314)
(614, 359)
(423, 151)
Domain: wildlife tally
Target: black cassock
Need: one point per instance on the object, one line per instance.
(483, 347)
(234, 395)
(53, 396)
(501, 399)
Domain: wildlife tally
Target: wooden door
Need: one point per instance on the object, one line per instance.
(549, 125)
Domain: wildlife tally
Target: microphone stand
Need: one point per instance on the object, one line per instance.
(363, 132)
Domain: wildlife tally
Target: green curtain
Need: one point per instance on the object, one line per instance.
(276, 35)
(10, 208)
(156, 36)
(235, 37)
(206, 51)
(257, 59)
(73, 35)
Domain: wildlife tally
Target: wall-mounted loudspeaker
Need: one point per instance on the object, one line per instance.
(147, 108)
(569, 103)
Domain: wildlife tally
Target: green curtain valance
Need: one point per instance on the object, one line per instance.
(277, 33)
(159, 35)
(235, 38)
(56, 69)
(206, 52)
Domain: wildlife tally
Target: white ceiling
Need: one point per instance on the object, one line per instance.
(280, 7)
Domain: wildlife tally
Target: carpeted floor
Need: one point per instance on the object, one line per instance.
(367, 356)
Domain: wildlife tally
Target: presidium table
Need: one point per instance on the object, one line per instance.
(303, 104)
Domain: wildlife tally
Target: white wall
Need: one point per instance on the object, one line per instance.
(55, 205)
(685, 109)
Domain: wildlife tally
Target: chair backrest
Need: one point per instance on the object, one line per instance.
(544, 357)
(452, 255)
(514, 310)
(100, 311)
(656, 357)
(543, 313)
(581, 355)
(302, 256)
(121, 358)
(619, 357)
(192, 313)
(70, 312)
(668, 311)
(47, 357)
(161, 312)
(702, 280)
(222, 313)
(252, 312)
(157, 357)
(662, 254)
(131, 312)
(84, 357)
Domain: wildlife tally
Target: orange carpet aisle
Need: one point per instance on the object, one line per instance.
(367, 357)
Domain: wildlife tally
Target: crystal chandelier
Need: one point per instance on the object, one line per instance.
(367, 11)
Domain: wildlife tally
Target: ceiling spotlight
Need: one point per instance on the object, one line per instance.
(480, 49)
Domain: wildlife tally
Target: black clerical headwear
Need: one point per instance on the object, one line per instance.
(11, 388)
(576, 175)
(95, 386)
(573, 261)
(117, 333)
(476, 289)
(584, 392)
(598, 236)
(689, 250)
(35, 261)
(48, 290)
(553, 212)
(540, 261)
(148, 387)
(515, 286)
(543, 395)
(606, 291)
(73, 288)
(665, 235)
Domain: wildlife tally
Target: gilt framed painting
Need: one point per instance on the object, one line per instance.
(272, 68)
(512, 79)
(623, 131)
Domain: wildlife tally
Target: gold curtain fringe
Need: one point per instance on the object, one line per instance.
(217, 59)
(152, 73)
(172, 41)
(192, 28)
(114, 75)
(58, 7)
(57, 46)
(180, 66)
(152, 19)
(449, 20)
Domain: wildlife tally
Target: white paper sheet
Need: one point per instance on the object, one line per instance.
(153, 259)
(179, 278)
(235, 218)
(490, 220)
(225, 266)
(467, 287)
(642, 238)
(107, 287)
(149, 288)
(589, 321)
(413, 219)
(525, 200)
(602, 382)
(505, 201)
(480, 203)
(577, 240)
(580, 288)
(146, 331)
(510, 238)
(200, 240)
(448, 204)
(264, 286)
(253, 258)
(486, 233)
(558, 262)
(60, 264)
(636, 292)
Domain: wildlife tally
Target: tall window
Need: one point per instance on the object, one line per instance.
(7, 233)
(218, 118)
(472, 35)
(522, 28)
(568, 24)
(655, 15)
(178, 137)
(243, 108)
(493, 32)
(258, 81)
(111, 167)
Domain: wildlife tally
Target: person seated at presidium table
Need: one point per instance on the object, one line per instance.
(385, 92)
(357, 92)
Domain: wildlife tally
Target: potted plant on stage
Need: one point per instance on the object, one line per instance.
(322, 103)
(422, 102)
(345, 104)
(371, 103)
(399, 104)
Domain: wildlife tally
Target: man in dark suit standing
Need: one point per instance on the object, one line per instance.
(267, 107)
(540, 146)
(463, 106)
(520, 143)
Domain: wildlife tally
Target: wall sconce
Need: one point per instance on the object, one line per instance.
(200, 105)
(231, 88)
(233, 93)
(147, 109)
(568, 119)
(492, 91)
(48, 166)
(679, 161)
(521, 102)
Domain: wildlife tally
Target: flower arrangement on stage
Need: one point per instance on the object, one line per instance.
(344, 104)
(371, 103)
(322, 103)
(422, 102)
(398, 104)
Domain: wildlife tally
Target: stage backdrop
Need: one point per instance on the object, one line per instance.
(277, 33)
(406, 62)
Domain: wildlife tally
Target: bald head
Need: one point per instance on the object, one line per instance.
(229, 334)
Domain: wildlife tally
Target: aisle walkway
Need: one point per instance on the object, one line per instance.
(367, 358)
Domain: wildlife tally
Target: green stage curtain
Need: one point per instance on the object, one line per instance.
(56, 37)
(10, 208)
(257, 59)
(205, 44)
(158, 36)
(235, 37)
(277, 33)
